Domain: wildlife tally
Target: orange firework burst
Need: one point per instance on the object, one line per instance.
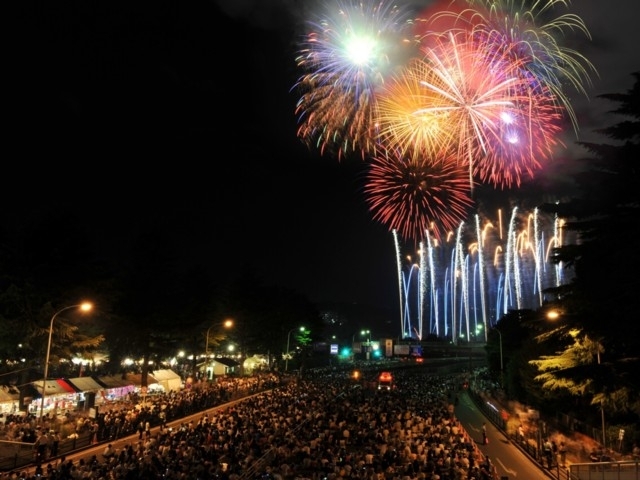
(408, 117)
(416, 194)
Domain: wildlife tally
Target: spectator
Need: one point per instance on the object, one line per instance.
(563, 454)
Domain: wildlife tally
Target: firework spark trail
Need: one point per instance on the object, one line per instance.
(537, 253)
(399, 266)
(458, 271)
(557, 241)
(423, 287)
(434, 292)
(472, 289)
(481, 275)
(511, 263)
(406, 282)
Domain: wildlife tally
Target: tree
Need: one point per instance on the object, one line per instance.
(47, 261)
(598, 338)
(264, 314)
(162, 301)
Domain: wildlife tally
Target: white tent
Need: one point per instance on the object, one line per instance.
(169, 379)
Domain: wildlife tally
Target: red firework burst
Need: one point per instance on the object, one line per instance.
(416, 194)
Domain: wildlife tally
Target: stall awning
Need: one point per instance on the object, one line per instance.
(85, 384)
(9, 394)
(112, 381)
(227, 362)
(54, 387)
(160, 375)
(136, 379)
(68, 387)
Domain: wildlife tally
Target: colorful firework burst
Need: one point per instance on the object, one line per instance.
(520, 29)
(416, 194)
(473, 86)
(346, 56)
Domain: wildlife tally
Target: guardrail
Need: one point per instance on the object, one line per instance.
(629, 470)
(15, 455)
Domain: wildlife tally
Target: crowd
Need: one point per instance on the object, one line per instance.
(323, 426)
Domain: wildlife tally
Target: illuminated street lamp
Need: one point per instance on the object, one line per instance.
(368, 334)
(286, 361)
(226, 324)
(85, 307)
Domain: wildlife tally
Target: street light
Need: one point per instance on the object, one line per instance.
(226, 324)
(368, 334)
(286, 361)
(85, 307)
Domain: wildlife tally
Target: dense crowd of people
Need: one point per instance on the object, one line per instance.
(321, 426)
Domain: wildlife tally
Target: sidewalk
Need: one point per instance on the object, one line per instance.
(526, 430)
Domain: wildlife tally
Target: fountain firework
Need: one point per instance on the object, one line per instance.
(464, 284)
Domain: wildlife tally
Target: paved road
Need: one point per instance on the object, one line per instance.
(510, 462)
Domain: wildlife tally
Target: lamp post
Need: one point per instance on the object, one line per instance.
(85, 307)
(368, 334)
(286, 361)
(226, 324)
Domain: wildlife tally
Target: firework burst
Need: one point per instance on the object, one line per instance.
(345, 57)
(416, 194)
(472, 86)
(520, 29)
(407, 117)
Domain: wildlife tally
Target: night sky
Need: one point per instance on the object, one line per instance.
(182, 114)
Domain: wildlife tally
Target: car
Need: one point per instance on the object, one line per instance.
(385, 381)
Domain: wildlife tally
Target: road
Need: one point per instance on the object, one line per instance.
(510, 462)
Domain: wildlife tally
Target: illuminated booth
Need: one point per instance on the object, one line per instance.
(114, 388)
(87, 388)
(60, 396)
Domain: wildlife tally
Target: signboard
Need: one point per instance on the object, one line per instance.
(401, 350)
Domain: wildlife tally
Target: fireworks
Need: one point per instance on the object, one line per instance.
(345, 57)
(522, 34)
(475, 86)
(414, 195)
(407, 115)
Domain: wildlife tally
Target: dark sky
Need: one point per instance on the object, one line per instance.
(128, 112)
